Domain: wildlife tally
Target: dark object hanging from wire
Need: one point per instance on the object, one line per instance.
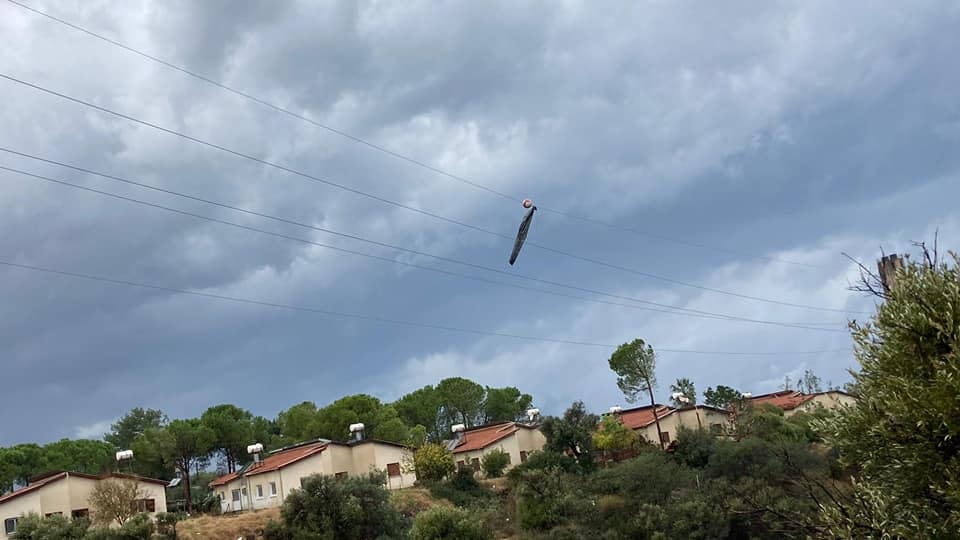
(524, 229)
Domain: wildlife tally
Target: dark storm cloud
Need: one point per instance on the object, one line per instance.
(777, 130)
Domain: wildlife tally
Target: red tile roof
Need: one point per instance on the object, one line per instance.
(480, 437)
(641, 417)
(784, 399)
(274, 462)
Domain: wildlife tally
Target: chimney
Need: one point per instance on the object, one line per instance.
(255, 449)
(357, 432)
(458, 430)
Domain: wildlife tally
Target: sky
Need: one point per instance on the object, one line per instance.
(729, 151)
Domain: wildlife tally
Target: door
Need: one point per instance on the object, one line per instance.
(235, 503)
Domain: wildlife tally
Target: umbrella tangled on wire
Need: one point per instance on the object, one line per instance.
(524, 229)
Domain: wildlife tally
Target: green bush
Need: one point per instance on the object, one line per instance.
(34, 527)
(326, 508)
(441, 523)
(544, 460)
(694, 447)
(167, 525)
(433, 462)
(494, 463)
(547, 498)
(462, 489)
(139, 527)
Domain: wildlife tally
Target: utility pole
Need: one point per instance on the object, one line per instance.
(888, 266)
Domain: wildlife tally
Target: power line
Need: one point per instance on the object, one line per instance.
(345, 235)
(401, 205)
(342, 314)
(414, 161)
(664, 307)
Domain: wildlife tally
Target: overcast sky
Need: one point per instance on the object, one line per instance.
(761, 139)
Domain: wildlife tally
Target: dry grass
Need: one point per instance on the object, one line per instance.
(227, 526)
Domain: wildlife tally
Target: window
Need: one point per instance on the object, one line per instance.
(145, 505)
(10, 525)
(80, 514)
(340, 475)
(53, 514)
(523, 456)
(664, 436)
(461, 464)
(273, 489)
(716, 428)
(475, 463)
(393, 469)
(508, 457)
(259, 491)
(235, 494)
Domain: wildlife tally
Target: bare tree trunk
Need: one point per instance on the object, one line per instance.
(187, 494)
(656, 419)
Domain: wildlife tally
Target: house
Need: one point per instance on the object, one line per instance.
(642, 421)
(516, 439)
(268, 482)
(793, 401)
(67, 494)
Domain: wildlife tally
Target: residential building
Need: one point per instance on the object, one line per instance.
(641, 420)
(268, 482)
(516, 439)
(67, 494)
(793, 401)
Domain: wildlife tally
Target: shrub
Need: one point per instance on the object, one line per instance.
(544, 460)
(167, 525)
(34, 527)
(433, 462)
(462, 489)
(138, 527)
(547, 498)
(440, 523)
(694, 447)
(327, 508)
(494, 463)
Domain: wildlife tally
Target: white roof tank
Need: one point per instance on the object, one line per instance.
(356, 427)
(255, 448)
(124, 454)
(457, 428)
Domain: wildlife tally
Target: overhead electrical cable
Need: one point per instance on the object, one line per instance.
(391, 202)
(292, 222)
(342, 314)
(665, 308)
(383, 149)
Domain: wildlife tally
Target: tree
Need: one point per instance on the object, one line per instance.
(505, 404)
(180, 444)
(441, 522)
(132, 425)
(114, 500)
(685, 387)
(299, 422)
(635, 365)
(614, 437)
(904, 430)
(810, 383)
(232, 429)
(494, 463)
(18, 463)
(433, 462)
(787, 383)
(461, 401)
(723, 397)
(422, 408)
(81, 455)
(572, 433)
(355, 508)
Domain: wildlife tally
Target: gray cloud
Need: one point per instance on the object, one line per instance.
(781, 130)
